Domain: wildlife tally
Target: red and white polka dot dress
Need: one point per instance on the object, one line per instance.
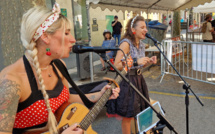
(37, 112)
(32, 113)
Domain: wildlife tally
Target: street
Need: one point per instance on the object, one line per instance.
(172, 98)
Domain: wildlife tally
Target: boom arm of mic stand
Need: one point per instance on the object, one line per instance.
(185, 83)
(159, 115)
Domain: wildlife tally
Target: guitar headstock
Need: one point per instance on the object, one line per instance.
(127, 65)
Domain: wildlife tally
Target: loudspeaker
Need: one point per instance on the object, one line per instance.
(83, 65)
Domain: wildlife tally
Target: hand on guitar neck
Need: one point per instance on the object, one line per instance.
(115, 92)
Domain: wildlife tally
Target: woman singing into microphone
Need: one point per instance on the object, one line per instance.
(33, 88)
(129, 103)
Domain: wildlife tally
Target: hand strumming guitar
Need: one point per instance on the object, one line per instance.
(73, 129)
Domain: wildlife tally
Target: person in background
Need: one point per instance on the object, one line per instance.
(182, 20)
(213, 25)
(194, 23)
(32, 89)
(129, 103)
(170, 24)
(207, 35)
(108, 42)
(117, 29)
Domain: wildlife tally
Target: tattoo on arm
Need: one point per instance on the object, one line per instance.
(9, 99)
(92, 97)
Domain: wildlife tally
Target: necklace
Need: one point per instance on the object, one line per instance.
(42, 69)
(49, 74)
(45, 68)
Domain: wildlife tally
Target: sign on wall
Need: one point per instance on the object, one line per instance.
(64, 12)
(95, 25)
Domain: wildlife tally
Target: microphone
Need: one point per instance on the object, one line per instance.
(152, 38)
(83, 49)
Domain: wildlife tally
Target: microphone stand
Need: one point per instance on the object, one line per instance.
(163, 120)
(186, 87)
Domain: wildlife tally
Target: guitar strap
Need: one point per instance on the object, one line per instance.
(65, 73)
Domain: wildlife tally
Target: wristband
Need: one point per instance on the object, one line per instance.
(135, 62)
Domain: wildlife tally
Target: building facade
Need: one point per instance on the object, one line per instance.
(11, 12)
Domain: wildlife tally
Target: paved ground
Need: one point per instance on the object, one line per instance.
(171, 96)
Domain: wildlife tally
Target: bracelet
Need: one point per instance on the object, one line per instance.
(135, 62)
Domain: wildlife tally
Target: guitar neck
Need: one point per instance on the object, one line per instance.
(90, 117)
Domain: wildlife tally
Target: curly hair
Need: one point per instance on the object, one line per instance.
(128, 32)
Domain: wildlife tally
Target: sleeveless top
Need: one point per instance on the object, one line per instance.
(134, 51)
(129, 103)
(32, 113)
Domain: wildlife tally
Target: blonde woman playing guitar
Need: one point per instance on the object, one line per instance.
(32, 89)
(69, 114)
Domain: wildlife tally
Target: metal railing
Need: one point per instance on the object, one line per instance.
(193, 60)
(194, 36)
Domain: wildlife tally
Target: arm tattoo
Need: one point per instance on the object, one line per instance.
(9, 99)
(92, 97)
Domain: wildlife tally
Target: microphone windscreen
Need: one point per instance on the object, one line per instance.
(148, 35)
(76, 48)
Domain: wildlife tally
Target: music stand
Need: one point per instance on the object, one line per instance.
(148, 119)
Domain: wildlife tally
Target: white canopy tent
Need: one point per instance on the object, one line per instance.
(206, 8)
(150, 5)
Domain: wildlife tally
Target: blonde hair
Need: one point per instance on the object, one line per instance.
(31, 20)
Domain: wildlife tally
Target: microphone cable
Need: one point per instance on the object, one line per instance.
(128, 70)
(125, 60)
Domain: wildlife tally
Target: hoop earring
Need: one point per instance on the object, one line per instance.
(48, 51)
(134, 32)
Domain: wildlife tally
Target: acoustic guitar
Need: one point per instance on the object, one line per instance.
(69, 114)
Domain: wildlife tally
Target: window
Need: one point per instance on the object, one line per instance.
(50, 3)
(80, 21)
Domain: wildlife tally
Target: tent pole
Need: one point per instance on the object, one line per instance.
(147, 16)
(199, 19)
(89, 36)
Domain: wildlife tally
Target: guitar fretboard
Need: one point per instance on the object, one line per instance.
(90, 117)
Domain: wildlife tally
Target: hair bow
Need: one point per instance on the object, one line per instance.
(48, 22)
